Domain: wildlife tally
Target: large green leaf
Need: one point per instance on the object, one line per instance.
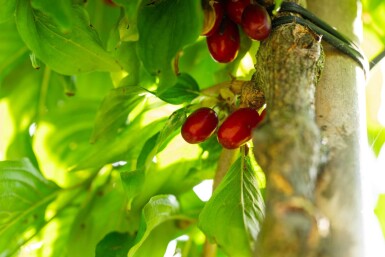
(232, 217)
(60, 12)
(24, 196)
(165, 27)
(78, 50)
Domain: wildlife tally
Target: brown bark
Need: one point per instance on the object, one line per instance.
(287, 145)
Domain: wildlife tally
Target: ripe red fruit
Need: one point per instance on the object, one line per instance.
(199, 126)
(224, 43)
(256, 22)
(213, 17)
(237, 127)
(234, 9)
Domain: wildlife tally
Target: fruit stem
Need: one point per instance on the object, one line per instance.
(235, 86)
(209, 249)
(225, 160)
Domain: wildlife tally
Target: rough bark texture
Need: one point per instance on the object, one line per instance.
(340, 115)
(287, 145)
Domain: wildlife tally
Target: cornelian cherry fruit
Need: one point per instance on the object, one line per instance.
(225, 42)
(200, 125)
(236, 129)
(234, 9)
(256, 22)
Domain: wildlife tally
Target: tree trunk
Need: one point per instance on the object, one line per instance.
(287, 144)
(340, 115)
(311, 156)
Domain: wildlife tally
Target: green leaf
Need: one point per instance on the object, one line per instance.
(12, 49)
(22, 104)
(102, 212)
(232, 216)
(159, 141)
(24, 196)
(132, 183)
(7, 10)
(60, 12)
(126, 54)
(114, 112)
(73, 52)
(128, 29)
(155, 216)
(114, 244)
(165, 27)
(185, 90)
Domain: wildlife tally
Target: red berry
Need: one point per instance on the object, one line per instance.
(213, 18)
(234, 9)
(199, 126)
(224, 43)
(256, 22)
(237, 127)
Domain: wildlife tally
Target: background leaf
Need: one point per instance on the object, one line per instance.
(115, 109)
(114, 244)
(232, 216)
(12, 49)
(102, 212)
(165, 27)
(73, 52)
(7, 9)
(24, 196)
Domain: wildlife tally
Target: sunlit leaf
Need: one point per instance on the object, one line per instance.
(128, 29)
(132, 183)
(24, 196)
(159, 141)
(155, 216)
(232, 216)
(22, 102)
(76, 51)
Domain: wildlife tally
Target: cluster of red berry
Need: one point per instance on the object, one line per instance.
(226, 16)
(234, 131)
